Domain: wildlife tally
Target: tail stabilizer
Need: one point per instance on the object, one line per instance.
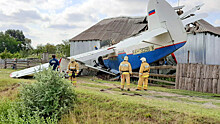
(162, 15)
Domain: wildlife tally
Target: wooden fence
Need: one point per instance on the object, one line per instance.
(198, 77)
(21, 63)
(154, 76)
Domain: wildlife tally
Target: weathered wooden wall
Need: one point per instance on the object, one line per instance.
(198, 77)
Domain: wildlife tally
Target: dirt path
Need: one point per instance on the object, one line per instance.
(207, 103)
(9, 92)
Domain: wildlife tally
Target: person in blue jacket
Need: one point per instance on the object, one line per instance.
(54, 62)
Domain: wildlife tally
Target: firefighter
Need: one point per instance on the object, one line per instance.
(125, 71)
(73, 70)
(143, 74)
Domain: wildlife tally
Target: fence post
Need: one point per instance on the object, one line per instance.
(16, 62)
(188, 57)
(5, 67)
(28, 64)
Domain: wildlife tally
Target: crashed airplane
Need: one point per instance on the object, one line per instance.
(165, 35)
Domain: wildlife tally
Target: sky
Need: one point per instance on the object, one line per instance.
(51, 21)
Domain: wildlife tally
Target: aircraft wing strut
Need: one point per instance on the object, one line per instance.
(92, 54)
(81, 58)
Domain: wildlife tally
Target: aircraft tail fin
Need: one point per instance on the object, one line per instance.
(162, 15)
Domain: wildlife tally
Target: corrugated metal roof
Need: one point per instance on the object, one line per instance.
(115, 29)
(203, 26)
(120, 28)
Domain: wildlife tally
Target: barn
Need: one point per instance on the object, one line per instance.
(106, 32)
(202, 46)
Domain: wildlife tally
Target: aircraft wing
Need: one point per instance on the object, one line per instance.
(99, 69)
(81, 57)
(186, 14)
(194, 18)
(29, 71)
(178, 7)
(92, 54)
(144, 36)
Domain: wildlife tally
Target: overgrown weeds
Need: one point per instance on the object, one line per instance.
(41, 102)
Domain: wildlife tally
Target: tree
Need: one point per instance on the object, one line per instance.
(17, 34)
(40, 49)
(24, 43)
(28, 44)
(50, 48)
(63, 49)
(6, 54)
(16, 55)
(8, 42)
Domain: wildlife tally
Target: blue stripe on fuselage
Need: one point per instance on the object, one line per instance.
(151, 56)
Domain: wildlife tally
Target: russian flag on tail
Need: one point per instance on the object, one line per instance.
(152, 12)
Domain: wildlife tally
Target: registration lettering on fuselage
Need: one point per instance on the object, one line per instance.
(143, 50)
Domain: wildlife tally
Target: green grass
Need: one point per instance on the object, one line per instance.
(6, 81)
(98, 107)
(161, 89)
(184, 99)
(95, 106)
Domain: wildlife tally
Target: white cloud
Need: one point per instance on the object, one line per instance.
(55, 20)
(217, 22)
(210, 5)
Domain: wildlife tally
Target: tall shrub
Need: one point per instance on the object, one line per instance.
(51, 96)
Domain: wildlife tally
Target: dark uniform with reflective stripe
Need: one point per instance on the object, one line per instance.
(55, 63)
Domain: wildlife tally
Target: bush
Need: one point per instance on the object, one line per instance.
(51, 96)
(15, 113)
(6, 54)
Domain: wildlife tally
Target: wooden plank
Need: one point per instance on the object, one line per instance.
(205, 68)
(210, 86)
(183, 83)
(198, 71)
(214, 86)
(210, 71)
(162, 75)
(164, 81)
(205, 86)
(193, 71)
(17, 61)
(201, 84)
(177, 77)
(218, 87)
(180, 70)
(192, 84)
(192, 77)
(188, 70)
(202, 81)
(156, 75)
(197, 81)
(163, 67)
(189, 84)
(184, 70)
(215, 72)
(23, 65)
(186, 84)
(180, 83)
